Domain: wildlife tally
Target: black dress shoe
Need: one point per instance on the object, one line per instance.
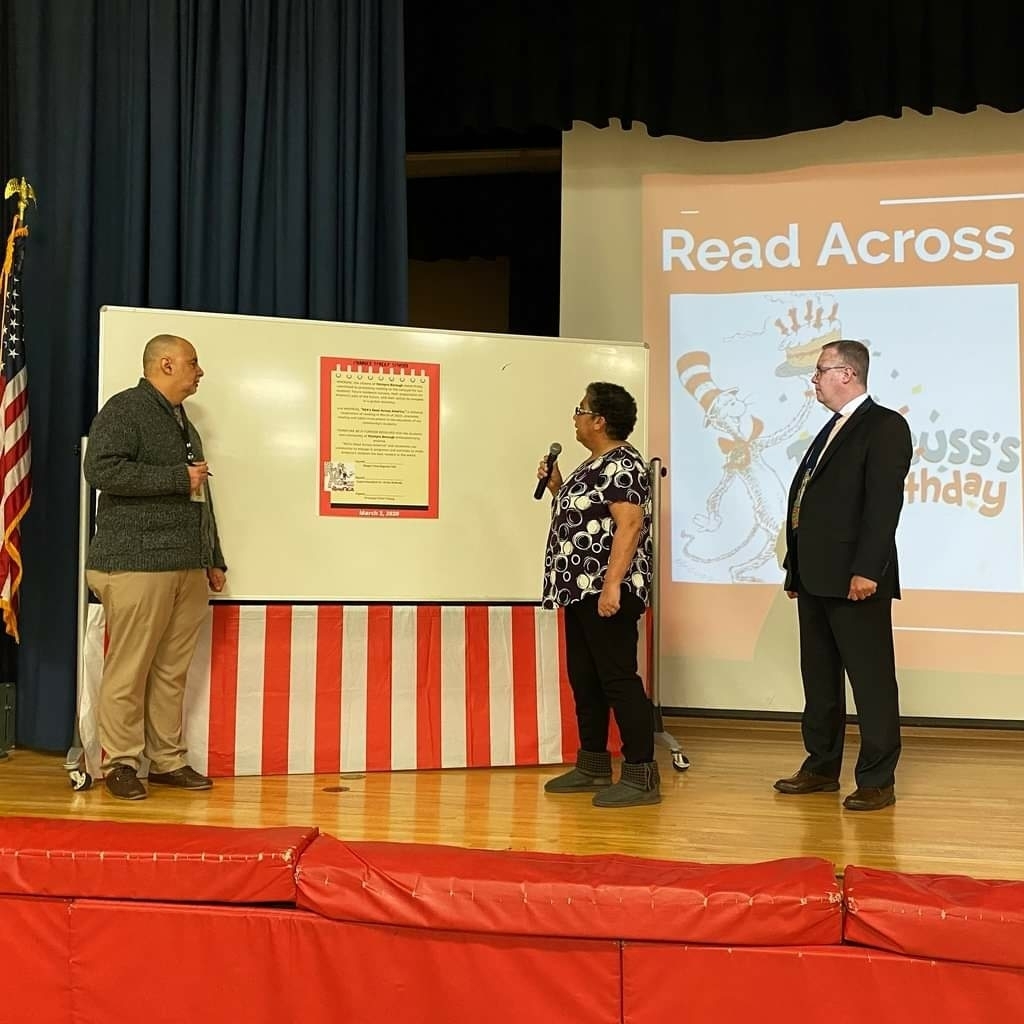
(870, 798)
(181, 778)
(807, 782)
(122, 782)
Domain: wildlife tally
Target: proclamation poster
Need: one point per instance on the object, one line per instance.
(379, 433)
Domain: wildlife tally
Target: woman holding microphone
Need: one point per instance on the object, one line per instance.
(597, 566)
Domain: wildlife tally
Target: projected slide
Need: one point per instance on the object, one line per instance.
(745, 278)
(744, 411)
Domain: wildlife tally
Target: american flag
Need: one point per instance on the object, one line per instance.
(16, 446)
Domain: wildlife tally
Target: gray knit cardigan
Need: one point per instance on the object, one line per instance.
(145, 520)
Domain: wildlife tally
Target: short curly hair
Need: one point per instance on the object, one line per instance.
(616, 405)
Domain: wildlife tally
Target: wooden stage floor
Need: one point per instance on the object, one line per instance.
(958, 805)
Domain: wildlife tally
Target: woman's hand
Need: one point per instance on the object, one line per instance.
(556, 477)
(609, 601)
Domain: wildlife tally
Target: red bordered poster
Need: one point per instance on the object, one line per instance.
(379, 438)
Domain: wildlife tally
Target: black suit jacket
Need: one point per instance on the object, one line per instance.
(851, 507)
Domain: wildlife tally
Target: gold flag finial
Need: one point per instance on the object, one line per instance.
(25, 193)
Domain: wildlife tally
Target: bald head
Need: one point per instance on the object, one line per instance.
(171, 365)
(158, 347)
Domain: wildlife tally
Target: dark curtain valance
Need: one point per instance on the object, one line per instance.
(703, 69)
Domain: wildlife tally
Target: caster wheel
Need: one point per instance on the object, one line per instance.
(80, 780)
(680, 761)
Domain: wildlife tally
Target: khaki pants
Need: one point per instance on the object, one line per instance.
(153, 621)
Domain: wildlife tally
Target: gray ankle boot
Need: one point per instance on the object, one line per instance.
(592, 773)
(639, 784)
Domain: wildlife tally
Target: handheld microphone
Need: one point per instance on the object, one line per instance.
(542, 484)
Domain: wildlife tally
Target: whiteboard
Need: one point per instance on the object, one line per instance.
(503, 400)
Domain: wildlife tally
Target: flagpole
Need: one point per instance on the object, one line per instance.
(10, 189)
(14, 417)
(13, 397)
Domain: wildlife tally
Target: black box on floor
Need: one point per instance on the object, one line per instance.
(6, 716)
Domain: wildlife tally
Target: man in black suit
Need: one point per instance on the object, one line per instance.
(844, 506)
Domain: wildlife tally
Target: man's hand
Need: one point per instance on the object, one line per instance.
(791, 594)
(861, 588)
(216, 578)
(197, 474)
(609, 601)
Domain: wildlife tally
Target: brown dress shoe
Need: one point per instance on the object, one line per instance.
(181, 778)
(807, 782)
(122, 782)
(870, 798)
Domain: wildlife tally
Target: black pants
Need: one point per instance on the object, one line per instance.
(601, 656)
(837, 634)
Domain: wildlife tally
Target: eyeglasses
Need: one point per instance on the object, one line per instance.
(580, 411)
(819, 370)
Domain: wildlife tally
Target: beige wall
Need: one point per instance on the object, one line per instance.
(601, 297)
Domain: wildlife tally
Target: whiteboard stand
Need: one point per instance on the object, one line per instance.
(656, 473)
(74, 763)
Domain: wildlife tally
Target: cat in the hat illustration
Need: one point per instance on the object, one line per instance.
(743, 443)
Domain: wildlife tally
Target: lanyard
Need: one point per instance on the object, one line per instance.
(190, 455)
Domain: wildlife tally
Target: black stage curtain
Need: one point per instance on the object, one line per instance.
(484, 73)
(228, 155)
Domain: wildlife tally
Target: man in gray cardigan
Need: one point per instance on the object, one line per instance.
(154, 553)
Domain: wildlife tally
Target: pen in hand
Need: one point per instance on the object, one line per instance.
(198, 474)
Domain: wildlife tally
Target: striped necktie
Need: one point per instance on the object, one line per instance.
(810, 464)
(818, 445)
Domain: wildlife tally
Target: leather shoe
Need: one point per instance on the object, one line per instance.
(870, 798)
(181, 778)
(807, 782)
(122, 781)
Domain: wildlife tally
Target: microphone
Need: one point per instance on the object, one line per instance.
(542, 484)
